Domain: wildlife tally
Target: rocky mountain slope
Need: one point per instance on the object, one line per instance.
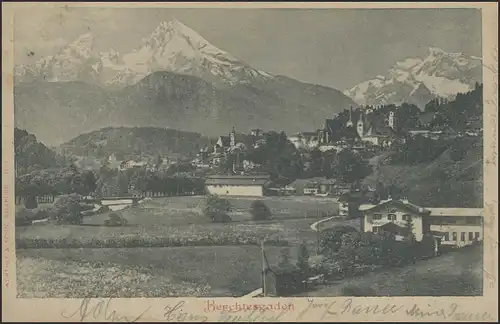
(174, 78)
(417, 81)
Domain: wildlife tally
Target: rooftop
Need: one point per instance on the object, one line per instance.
(456, 211)
(249, 180)
(401, 203)
(429, 210)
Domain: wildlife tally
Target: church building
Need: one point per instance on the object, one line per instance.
(376, 132)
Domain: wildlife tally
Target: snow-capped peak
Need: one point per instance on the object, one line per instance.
(417, 80)
(82, 45)
(171, 46)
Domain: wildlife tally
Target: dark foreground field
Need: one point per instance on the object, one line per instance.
(141, 272)
(458, 273)
(213, 259)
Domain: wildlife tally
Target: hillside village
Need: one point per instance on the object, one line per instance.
(226, 176)
(344, 161)
(346, 156)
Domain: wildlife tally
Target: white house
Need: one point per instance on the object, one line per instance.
(236, 185)
(460, 226)
(125, 165)
(452, 226)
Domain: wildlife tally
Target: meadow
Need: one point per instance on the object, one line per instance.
(142, 272)
(168, 248)
(178, 221)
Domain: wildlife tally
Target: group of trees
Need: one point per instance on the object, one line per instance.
(113, 182)
(284, 163)
(136, 141)
(217, 209)
(418, 149)
(66, 180)
(31, 155)
(348, 252)
(458, 112)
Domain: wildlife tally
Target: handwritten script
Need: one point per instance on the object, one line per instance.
(175, 313)
(100, 309)
(349, 307)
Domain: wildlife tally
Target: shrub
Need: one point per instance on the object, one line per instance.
(217, 209)
(115, 219)
(68, 210)
(331, 239)
(284, 263)
(303, 260)
(357, 291)
(30, 202)
(26, 216)
(358, 253)
(426, 247)
(43, 214)
(86, 207)
(289, 281)
(259, 210)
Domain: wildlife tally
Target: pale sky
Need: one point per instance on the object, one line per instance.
(333, 47)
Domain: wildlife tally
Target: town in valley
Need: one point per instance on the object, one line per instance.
(171, 168)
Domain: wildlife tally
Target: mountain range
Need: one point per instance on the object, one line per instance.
(419, 80)
(175, 78)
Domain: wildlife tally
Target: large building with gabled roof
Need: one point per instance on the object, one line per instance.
(449, 226)
(237, 185)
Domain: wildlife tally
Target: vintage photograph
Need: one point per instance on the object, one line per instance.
(165, 152)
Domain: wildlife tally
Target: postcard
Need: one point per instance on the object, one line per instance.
(250, 162)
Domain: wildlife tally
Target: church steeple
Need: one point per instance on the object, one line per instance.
(232, 138)
(350, 123)
(391, 119)
(360, 127)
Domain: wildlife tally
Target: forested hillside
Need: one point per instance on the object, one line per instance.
(136, 141)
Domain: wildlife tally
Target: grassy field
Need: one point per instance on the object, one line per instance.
(141, 272)
(456, 273)
(182, 218)
(163, 270)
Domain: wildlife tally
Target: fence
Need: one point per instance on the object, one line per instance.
(45, 199)
(168, 194)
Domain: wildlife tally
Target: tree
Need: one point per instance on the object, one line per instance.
(278, 157)
(410, 240)
(351, 167)
(159, 160)
(259, 210)
(303, 260)
(122, 180)
(407, 116)
(432, 106)
(217, 209)
(67, 209)
(30, 202)
(89, 181)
